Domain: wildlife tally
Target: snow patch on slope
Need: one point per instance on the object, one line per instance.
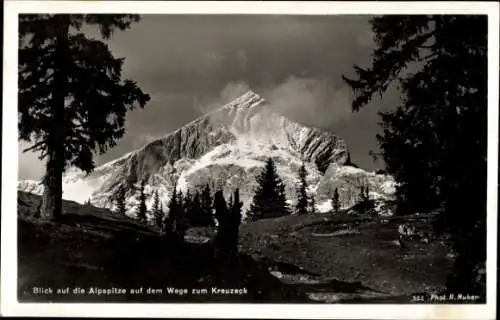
(325, 206)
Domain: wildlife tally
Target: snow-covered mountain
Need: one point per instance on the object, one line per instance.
(227, 148)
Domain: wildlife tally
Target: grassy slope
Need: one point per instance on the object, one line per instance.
(369, 257)
(91, 247)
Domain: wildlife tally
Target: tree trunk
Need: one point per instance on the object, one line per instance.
(52, 195)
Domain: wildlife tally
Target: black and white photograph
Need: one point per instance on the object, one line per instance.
(215, 158)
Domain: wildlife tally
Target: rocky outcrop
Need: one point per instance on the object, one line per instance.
(349, 180)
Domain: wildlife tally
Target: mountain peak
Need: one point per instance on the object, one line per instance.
(224, 148)
(247, 100)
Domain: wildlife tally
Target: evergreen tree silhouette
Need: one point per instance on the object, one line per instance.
(188, 207)
(155, 206)
(141, 207)
(230, 202)
(336, 201)
(195, 215)
(72, 101)
(157, 210)
(174, 223)
(234, 222)
(222, 216)
(434, 143)
(221, 209)
(207, 207)
(302, 198)
(229, 220)
(161, 221)
(311, 205)
(120, 201)
(269, 200)
(365, 204)
(181, 221)
(173, 212)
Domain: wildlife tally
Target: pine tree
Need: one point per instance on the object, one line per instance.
(174, 223)
(157, 210)
(207, 207)
(221, 214)
(434, 143)
(181, 222)
(281, 203)
(188, 207)
(234, 222)
(362, 196)
(270, 199)
(311, 206)
(121, 207)
(72, 101)
(365, 204)
(155, 206)
(302, 197)
(160, 221)
(180, 203)
(142, 210)
(194, 214)
(336, 201)
(220, 205)
(173, 211)
(229, 219)
(230, 202)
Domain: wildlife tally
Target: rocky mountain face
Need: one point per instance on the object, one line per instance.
(226, 149)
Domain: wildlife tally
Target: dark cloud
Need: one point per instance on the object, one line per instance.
(193, 63)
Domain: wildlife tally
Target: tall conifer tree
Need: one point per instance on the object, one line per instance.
(234, 222)
(72, 100)
(142, 211)
(336, 201)
(173, 213)
(157, 210)
(311, 205)
(207, 206)
(434, 142)
(195, 214)
(270, 199)
(188, 207)
(302, 198)
(222, 214)
(120, 201)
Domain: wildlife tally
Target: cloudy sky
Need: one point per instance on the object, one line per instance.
(192, 64)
